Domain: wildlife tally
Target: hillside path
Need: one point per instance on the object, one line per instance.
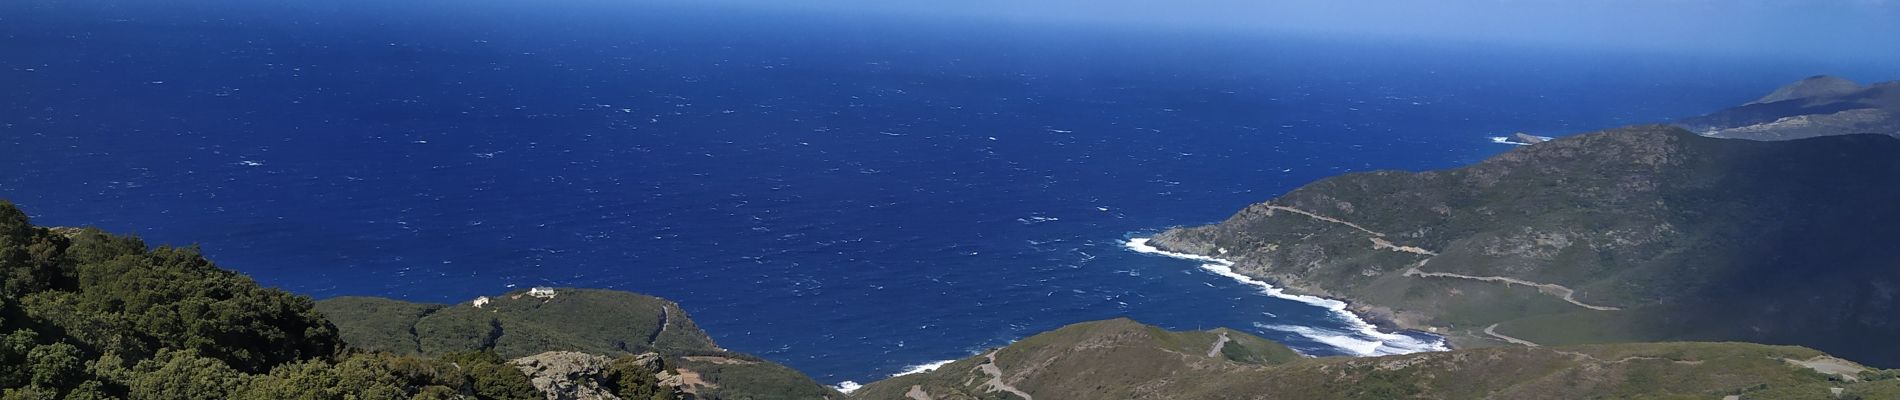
(1312, 215)
(1381, 243)
(996, 378)
(1550, 288)
(1219, 344)
(1493, 331)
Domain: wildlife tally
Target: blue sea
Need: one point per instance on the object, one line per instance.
(851, 195)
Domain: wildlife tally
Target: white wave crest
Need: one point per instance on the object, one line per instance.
(847, 386)
(922, 368)
(1507, 140)
(851, 386)
(1364, 340)
(1342, 340)
(1515, 142)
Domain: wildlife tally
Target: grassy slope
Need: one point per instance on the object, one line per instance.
(1117, 358)
(602, 322)
(1124, 359)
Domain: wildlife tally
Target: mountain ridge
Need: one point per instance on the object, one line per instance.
(1813, 86)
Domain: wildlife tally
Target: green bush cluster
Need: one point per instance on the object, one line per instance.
(636, 378)
(89, 315)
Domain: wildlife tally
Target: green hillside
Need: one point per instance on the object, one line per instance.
(1122, 359)
(90, 315)
(601, 322)
(515, 325)
(1635, 234)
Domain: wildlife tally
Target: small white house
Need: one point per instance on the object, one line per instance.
(542, 292)
(481, 301)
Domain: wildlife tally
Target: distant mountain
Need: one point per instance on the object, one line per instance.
(1628, 235)
(1816, 106)
(1123, 359)
(1814, 86)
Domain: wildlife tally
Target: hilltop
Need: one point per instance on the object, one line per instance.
(1627, 235)
(517, 325)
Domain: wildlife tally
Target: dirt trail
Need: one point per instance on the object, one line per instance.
(1322, 218)
(665, 321)
(1581, 356)
(1379, 242)
(1493, 331)
(1382, 244)
(1378, 239)
(1219, 344)
(996, 378)
(721, 360)
(1553, 289)
(1848, 371)
(917, 393)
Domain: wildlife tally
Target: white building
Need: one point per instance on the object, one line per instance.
(542, 292)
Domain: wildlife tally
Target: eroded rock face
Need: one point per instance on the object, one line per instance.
(568, 375)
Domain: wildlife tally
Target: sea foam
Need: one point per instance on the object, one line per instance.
(1513, 141)
(1364, 339)
(847, 386)
(922, 368)
(850, 386)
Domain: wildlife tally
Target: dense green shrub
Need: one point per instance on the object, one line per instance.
(89, 315)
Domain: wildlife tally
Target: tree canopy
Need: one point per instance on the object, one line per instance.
(89, 315)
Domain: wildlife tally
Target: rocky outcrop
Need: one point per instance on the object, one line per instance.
(568, 375)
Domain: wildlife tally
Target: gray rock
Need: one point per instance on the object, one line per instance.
(568, 375)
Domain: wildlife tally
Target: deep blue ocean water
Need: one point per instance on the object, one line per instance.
(846, 195)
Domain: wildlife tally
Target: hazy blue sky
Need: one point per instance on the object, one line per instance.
(1807, 28)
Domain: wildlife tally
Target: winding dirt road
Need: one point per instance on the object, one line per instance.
(1379, 242)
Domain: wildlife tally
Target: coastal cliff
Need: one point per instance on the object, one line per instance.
(1634, 234)
(1816, 106)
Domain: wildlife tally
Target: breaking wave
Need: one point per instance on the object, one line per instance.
(1364, 339)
